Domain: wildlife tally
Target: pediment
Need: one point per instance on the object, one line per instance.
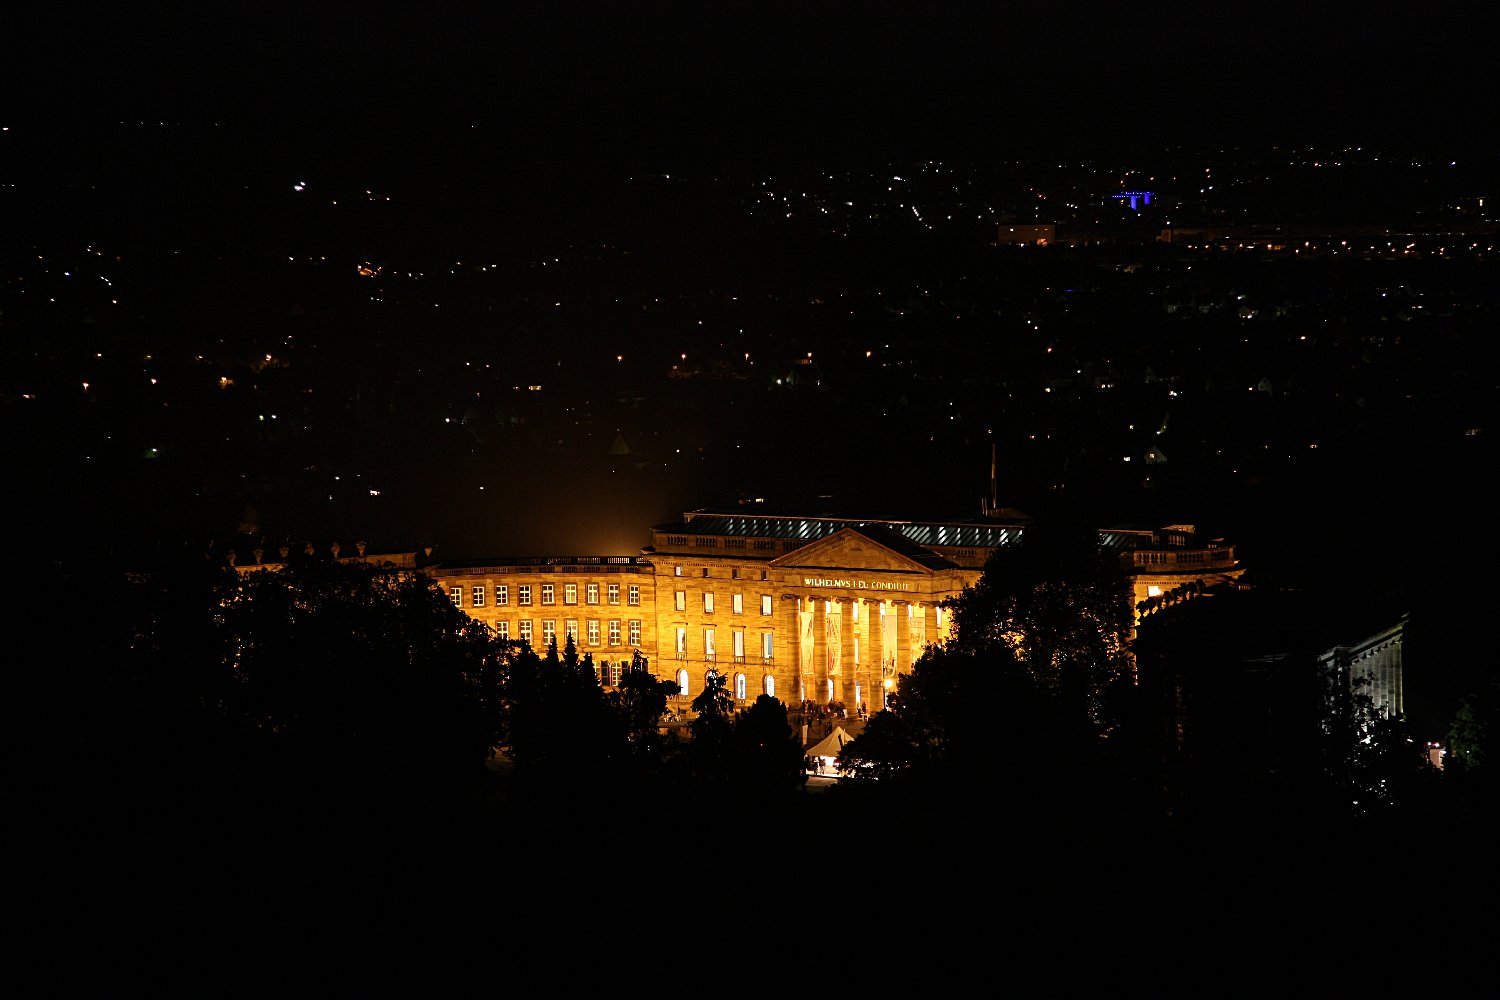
(851, 549)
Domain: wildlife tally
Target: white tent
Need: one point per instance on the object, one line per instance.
(828, 749)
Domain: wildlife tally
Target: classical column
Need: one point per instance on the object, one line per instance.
(844, 685)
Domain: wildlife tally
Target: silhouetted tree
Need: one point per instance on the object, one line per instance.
(641, 700)
(767, 753)
(1470, 770)
(1061, 603)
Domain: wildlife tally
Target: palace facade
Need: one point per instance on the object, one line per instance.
(800, 608)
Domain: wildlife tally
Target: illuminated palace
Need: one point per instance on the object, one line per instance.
(800, 608)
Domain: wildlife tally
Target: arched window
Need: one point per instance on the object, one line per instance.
(682, 683)
(770, 685)
(739, 687)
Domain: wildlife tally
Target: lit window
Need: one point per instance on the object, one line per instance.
(526, 630)
(765, 604)
(765, 645)
(570, 593)
(456, 594)
(502, 630)
(680, 599)
(593, 631)
(549, 594)
(523, 595)
(770, 685)
(737, 604)
(502, 595)
(635, 631)
(676, 570)
(682, 682)
(1153, 591)
(549, 632)
(614, 593)
(635, 595)
(614, 631)
(591, 593)
(570, 629)
(681, 643)
(739, 645)
(708, 602)
(739, 687)
(708, 643)
(478, 596)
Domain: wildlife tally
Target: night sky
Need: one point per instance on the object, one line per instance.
(532, 113)
(734, 80)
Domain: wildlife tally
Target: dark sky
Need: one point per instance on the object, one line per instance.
(729, 80)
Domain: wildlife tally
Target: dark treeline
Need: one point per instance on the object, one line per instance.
(347, 715)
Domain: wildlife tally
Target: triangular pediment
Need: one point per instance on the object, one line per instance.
(859, 549)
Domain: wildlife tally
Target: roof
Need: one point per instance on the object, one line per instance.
(966, 533)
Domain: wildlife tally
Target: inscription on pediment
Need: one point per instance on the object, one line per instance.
(845, 556)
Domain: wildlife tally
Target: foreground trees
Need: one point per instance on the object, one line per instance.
(1030, 705)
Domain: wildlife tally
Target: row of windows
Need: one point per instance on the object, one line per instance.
(736, 602)
(737, 639)
(734, 573)
(597, 631)
(740, 685)
(478, 594)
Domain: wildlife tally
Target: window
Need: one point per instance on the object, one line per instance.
(478, 596)
(614, 631)
(549, 632)
(457, 596)
(765, 604)
(570, 629)
(635, 595)
(591, 593)
(570, 593)
(765, 646)
(502, 595)
(770, 685)
(593, 631)
(708, 643)
(737, 604)
(765, 574)
(739, 687)
(708, 602)
(682, 684)
(614, 593)
(635, 631)
(739, 646)
(526, 630)
(676, 570)
(705, 572)
(682, 644)
(502, 630)
(615, 670)
(680, 600)
(523, 595)
(549, 593)
(734, 573)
